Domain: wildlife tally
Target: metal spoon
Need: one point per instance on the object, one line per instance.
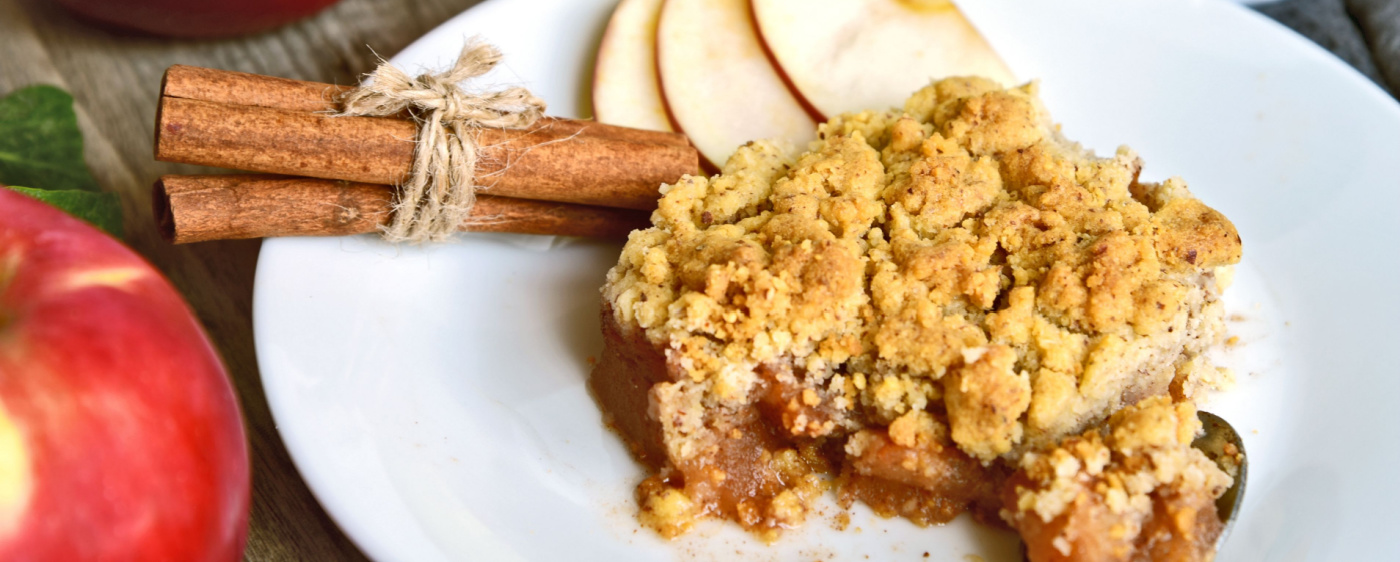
(1222, 444)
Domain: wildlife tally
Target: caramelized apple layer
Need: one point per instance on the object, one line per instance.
(905, 311)
(1138, 492)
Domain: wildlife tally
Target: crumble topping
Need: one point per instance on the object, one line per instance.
(955, 256)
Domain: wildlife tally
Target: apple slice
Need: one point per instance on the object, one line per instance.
(626, 91)
(717, 83)
(852, 55)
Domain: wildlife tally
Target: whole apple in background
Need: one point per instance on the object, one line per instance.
(120, 437)
(196, 18)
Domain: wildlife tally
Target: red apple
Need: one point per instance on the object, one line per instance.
(120, 438)
(195, 18)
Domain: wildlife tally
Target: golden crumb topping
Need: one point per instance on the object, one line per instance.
(957, 252)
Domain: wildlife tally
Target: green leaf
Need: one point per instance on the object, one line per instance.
(40, 143)
(102, 210)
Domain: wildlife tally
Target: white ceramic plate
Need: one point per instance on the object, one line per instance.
(433, 398)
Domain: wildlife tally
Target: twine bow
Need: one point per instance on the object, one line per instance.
(442, 187)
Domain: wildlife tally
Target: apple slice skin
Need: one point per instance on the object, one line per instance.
(133, 438)
(626, 89)
(853, 55)
(812, 111)
(717, 83)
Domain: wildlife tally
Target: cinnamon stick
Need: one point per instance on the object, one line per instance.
(227, 207)
(241, 88)
(267, 124)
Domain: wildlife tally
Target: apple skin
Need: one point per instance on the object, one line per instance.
(195, 18)
(120, 437)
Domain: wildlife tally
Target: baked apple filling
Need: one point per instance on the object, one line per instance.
(913, 312)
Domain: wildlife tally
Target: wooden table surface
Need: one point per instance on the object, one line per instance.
(115, 80)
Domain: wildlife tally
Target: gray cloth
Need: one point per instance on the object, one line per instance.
(1379, 21)
(1364, 33)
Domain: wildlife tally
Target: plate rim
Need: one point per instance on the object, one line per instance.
(303, 460)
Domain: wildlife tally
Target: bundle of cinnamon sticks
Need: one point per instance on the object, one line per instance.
(334, 175)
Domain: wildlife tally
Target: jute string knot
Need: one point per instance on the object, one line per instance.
(441, 189)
